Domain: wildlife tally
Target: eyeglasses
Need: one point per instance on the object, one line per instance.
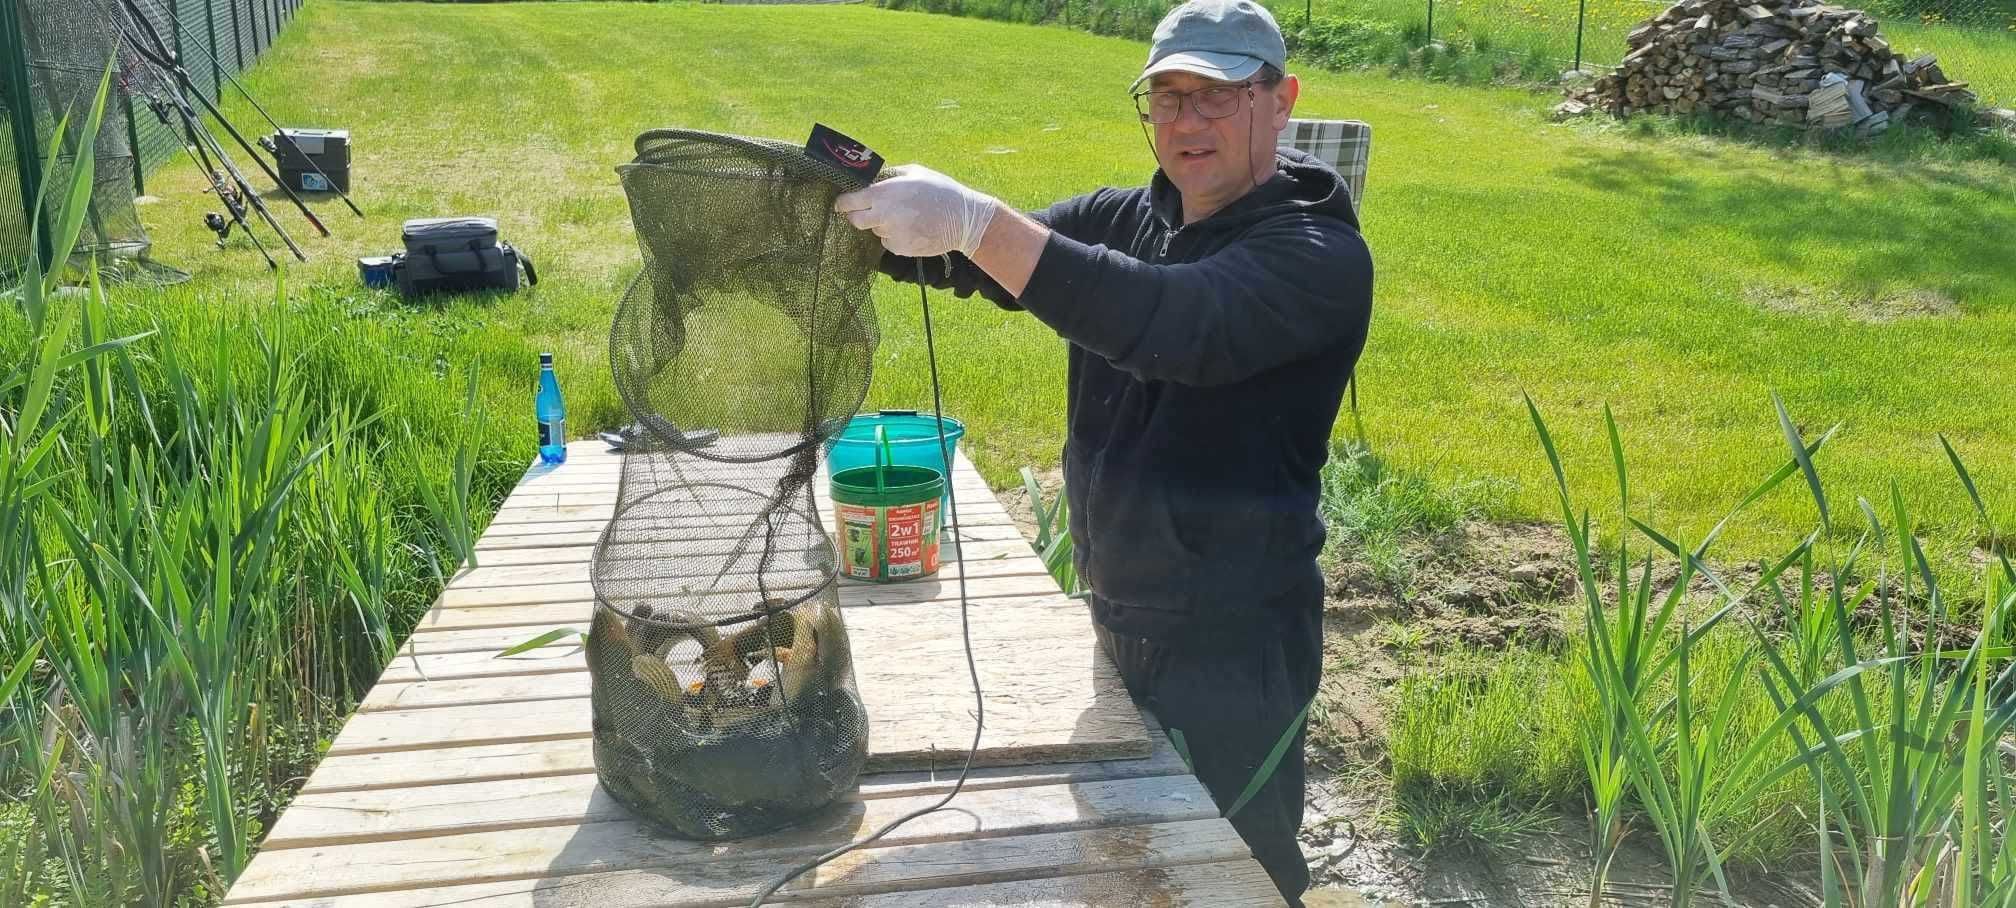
(1216, 102)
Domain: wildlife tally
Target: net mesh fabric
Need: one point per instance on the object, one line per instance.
(723, 686)
(68, 43)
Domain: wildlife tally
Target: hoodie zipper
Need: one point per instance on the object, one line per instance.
(1168, 237)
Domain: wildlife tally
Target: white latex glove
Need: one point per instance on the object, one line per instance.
(920, 212)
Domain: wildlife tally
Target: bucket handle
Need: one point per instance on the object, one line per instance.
(883, 459)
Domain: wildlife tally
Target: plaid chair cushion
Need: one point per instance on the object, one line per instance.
(1343, 144)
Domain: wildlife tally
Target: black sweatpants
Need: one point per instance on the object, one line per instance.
(1229, 703)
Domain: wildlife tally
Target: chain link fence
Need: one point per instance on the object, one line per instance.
(52, 53)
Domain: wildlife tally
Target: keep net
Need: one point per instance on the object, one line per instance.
(723, 688)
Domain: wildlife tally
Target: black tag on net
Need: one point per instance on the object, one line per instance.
(844, 153)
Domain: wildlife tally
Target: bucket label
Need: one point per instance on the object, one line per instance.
(913, 539)
(889, 543)
(857, 541)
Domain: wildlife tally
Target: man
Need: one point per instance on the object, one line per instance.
(1214, 319)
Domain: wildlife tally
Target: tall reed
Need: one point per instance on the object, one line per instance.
(212, 537)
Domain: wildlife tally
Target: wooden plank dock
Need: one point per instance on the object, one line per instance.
(467, 779)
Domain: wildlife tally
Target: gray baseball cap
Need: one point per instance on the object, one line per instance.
(1226, 40)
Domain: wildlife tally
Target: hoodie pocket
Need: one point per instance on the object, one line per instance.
(1222, 528)
(1139, 558)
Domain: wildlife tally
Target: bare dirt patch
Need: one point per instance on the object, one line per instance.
(1888, 307)
(1016, 499)
(1481, 584)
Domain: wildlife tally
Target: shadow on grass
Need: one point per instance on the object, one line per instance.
(1927, 226)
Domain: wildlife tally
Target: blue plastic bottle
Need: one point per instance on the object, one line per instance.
(552, 412)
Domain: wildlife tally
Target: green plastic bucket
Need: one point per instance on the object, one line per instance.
(888, 519)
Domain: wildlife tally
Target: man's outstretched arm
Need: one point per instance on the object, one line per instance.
(1284, 290)
(1010, 248)
(927, 219)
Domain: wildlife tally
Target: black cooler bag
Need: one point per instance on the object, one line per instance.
(445, 255)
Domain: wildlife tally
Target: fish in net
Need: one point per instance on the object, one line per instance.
(723, 687)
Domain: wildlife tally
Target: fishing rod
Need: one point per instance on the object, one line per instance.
(162, 58)
(270, 121)
(244, 189)
(207, 146)
(228, 197)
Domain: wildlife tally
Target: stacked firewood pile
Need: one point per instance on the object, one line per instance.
(1785, 62)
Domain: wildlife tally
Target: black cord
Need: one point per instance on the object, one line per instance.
(965, 628)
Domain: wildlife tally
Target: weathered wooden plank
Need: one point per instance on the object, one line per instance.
(594, 451)
(600, 514)
(969, 494)
(1050, 694)
(973, 507)
(565, 614)
(1070, 864)
(933, 589)
(324, 816)
(552, 614)
(598, 480)
(1240, 883)
(1002, 642)
(628, 845)
(687, 565)
(410, 665)
(443, 652)
(976, 512)
(518, 761)
(438, 766)
(486, 640)
(589, 532)
(717, 489)
(904, 729)
(495, 532)
(534, 759)
(968, 489)
(585, 553)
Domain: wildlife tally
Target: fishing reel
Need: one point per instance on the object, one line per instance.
(219, 225)
(234, 205)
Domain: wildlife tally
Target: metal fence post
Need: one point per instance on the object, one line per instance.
(1431, 21)
(133, 144)
(1581, 22)
(27, 148)
(216, 56)
(237, 39)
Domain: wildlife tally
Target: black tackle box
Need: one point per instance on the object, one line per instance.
(301, 153)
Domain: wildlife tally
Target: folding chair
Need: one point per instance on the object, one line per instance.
(1343, 144)
(1347, 146)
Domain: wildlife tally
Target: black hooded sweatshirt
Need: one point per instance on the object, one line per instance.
(1207, 366)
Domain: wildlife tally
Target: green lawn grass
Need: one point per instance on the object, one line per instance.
(1583, 265)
